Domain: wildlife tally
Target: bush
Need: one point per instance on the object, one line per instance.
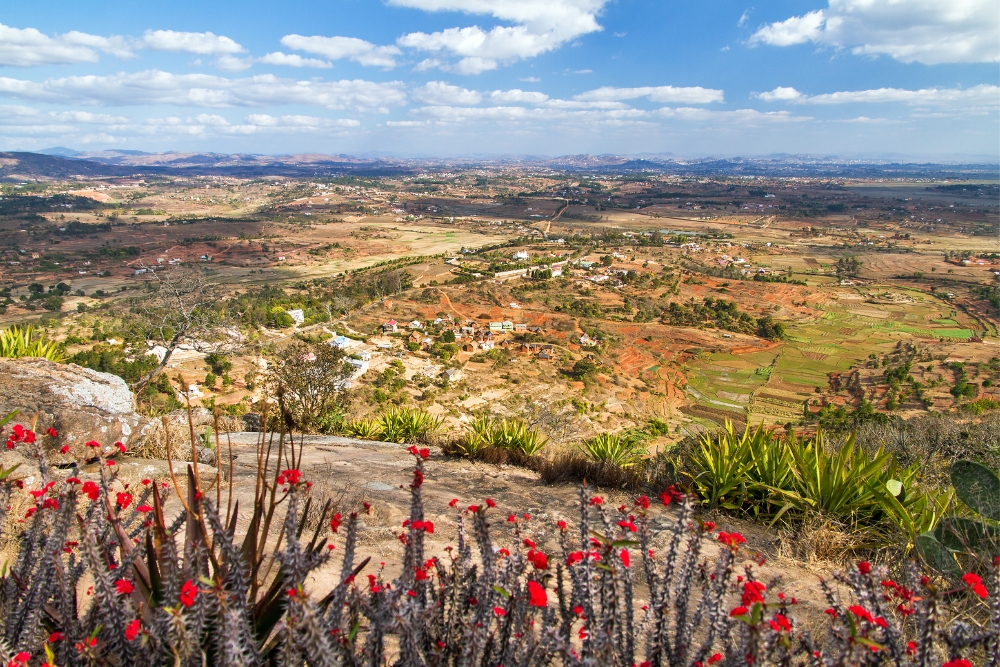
(622, 450)
(513, 435)
(402, 425)
(16, 342)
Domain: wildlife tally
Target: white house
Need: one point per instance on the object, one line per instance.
(522, 256)
(390, 327)
(415, 324)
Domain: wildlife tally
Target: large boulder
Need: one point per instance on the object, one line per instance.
(81, 404)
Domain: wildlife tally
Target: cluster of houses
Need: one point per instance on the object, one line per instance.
(473, 337)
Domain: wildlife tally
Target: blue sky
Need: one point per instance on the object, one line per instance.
(853, 78)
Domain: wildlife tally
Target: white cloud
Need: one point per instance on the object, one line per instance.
(665, 94)
(539, 27)
(981, 95)
(780, 94)
(204, 90)
(198, 43)
(292, 60)
(926, 31)
(518, 96)
(744, 17)
(441, 93)
(28, 47)
(230, 63)
(337, 48)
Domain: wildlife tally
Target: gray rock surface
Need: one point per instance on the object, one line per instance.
(81, 404)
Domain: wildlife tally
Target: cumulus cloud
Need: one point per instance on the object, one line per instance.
(518, 96)
(925, 31)
(439, 92)
(338, 48)
(538, 27)
(292, 60)
(981, 95)
(663, 94)
(27, 47)
(198, 43)
(204, 90)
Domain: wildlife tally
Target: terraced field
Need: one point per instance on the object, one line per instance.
(847, 326)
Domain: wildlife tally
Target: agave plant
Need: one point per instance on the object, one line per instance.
(402, 425)
(510, 434)
(365, 429)
(17, 342)
(620, 449)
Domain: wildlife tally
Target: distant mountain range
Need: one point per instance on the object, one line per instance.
(61, 163)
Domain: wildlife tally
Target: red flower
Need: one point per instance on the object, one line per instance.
(537, 597)
(627, 524)
(561, 524)
(145, 509)
(753, 592)
(55, 637)
(64, 449)
(20, 660)
(490, 503)
(731, 539)
(121, 446)
(132, 629)
(716, 657)
(831, 612)
(51, 432)
(91, 490)
(335, 522)
(188, 593)
(453, 502)
(626, 557)
(780, 623)
(671, 494)
(861, 612)
(425, 453)
(957, 662)
(372, 585)
(123, 500)
(575, 557)
(429, 527)
(975, 584)
(420, 574)
(643, 502)
(864, 567)
(596, 500)
(707, 526)
(538, 559)
(738, 611)
(124, 586)
(93, 443)
(290, 477)
(499, 611)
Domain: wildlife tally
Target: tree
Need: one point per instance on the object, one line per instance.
(309, 381)
(448, 336)
(848, 266)
(769, 329)
(180, 308)
(583, 369)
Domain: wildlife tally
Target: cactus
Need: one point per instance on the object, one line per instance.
(979, 488)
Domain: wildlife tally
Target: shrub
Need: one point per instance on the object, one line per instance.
(16, 342)
(619, 449)
(402, 425)
(513, 435)
(160, 595)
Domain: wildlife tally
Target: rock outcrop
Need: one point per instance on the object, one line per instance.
(81, 404)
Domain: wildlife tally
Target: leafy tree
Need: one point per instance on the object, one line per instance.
(769, 329)
(308, 381)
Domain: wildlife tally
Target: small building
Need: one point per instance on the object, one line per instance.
(297, 316)
(469, 347)
(414, 338)
(496, 327)
(452, 374)
(520, 327)
(522, 256)
(544, 355)
(390, 327)
(486, 345)
(507, 326)
(415, 324)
